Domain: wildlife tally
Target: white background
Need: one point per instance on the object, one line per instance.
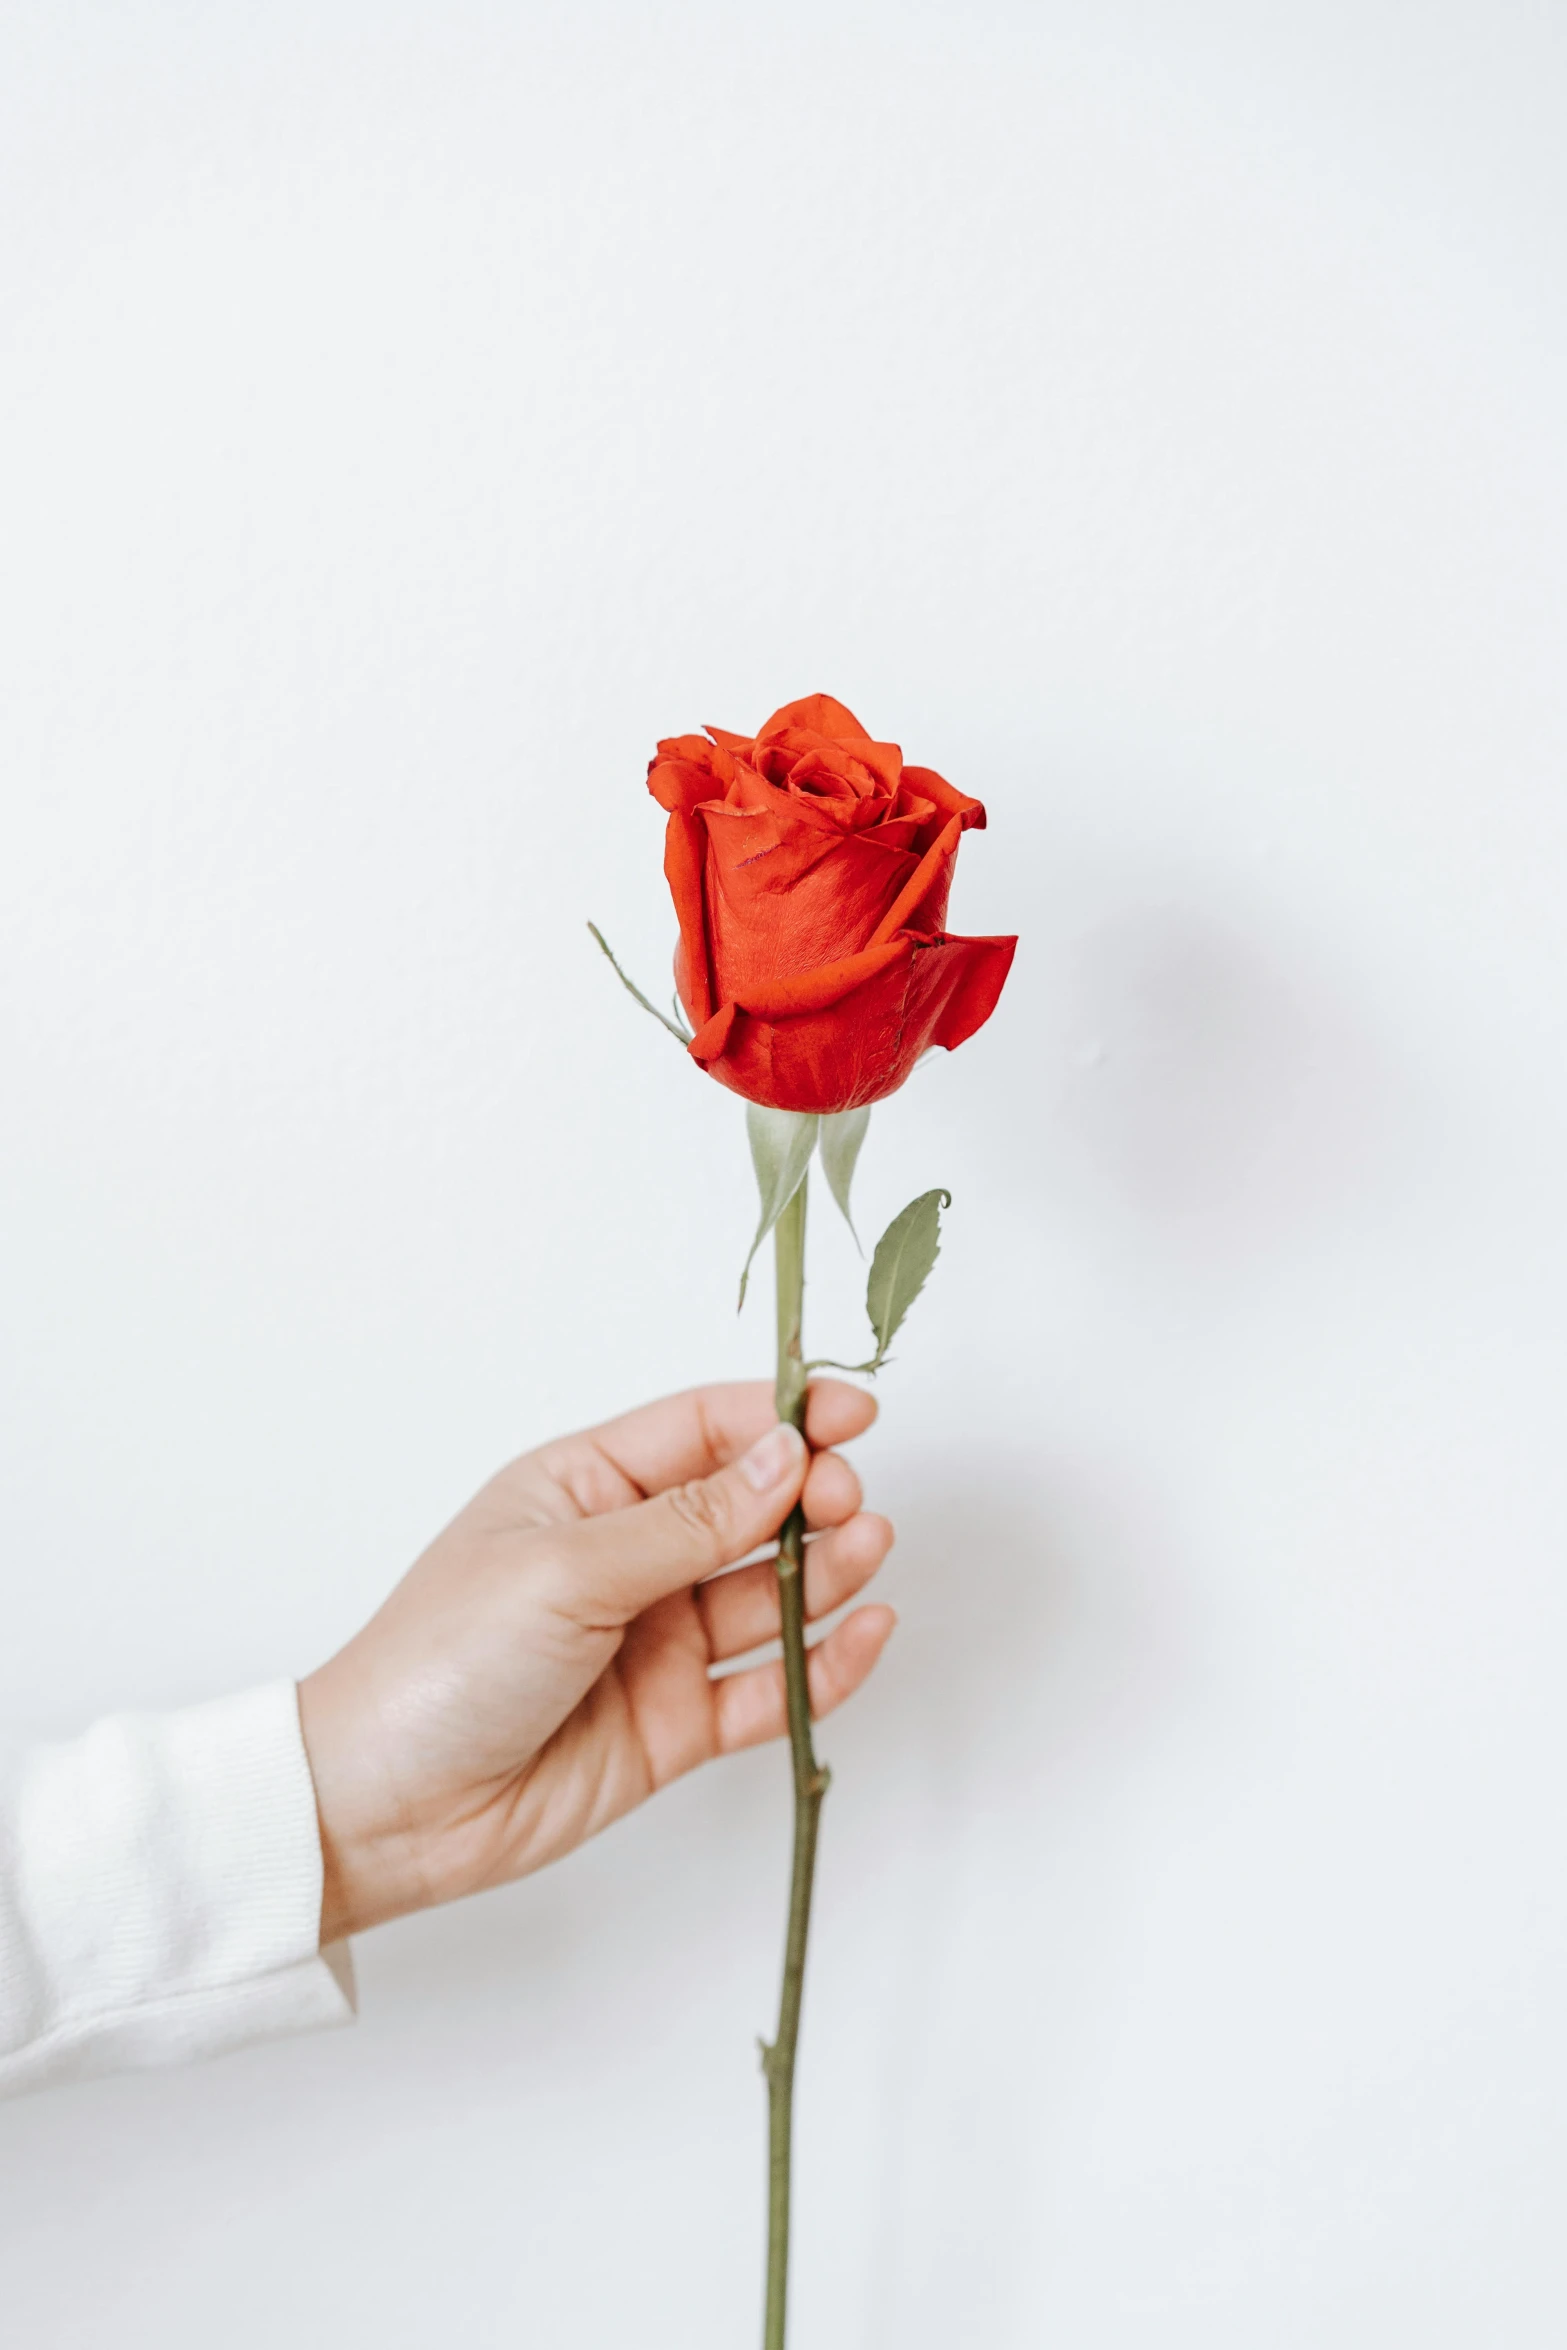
(1151, 416)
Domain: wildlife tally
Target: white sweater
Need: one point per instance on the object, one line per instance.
(160, 1893)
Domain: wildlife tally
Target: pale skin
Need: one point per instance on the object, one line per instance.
(549, 1663)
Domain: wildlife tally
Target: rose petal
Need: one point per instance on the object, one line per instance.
(783, 896)
(796, 756)
(711, 1038)
(976, 976)
(945, 796)
(687, 770)
(816, 714)
(685, 851)
(921, 904)
(862, 1045)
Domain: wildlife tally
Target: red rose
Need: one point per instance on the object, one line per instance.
(810, 871)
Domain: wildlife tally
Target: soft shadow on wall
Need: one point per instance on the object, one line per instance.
(1213, 1085)
(1051, 1643)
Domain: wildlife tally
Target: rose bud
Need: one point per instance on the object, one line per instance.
(810, 870)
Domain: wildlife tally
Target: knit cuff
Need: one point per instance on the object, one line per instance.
(163, 1895)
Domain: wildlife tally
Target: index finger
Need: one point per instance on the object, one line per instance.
(690, 1435)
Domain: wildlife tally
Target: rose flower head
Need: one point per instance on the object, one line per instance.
(810, 870)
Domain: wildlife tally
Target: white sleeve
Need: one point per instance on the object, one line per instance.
(160, 1893)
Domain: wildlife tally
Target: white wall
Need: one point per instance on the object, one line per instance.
(1151, 415)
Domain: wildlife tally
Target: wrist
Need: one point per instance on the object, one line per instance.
(369, 1869)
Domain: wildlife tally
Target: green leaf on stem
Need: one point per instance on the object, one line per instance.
(901, 1266)
(781, 1145)
(843, 1131)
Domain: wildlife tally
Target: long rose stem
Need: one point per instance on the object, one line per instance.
(810, 1784)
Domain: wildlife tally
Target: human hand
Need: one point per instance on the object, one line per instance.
(547, 1664)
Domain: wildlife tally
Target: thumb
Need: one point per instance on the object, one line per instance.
(623, 1561)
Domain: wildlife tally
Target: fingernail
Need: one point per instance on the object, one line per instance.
(773, 1457)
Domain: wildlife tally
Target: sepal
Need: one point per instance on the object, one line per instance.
(680, 1033)
(781, 1145)
(843, 1131)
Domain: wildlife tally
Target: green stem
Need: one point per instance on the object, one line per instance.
(810, 1783)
